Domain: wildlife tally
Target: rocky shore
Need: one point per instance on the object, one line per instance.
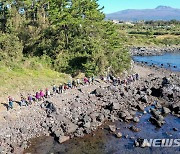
(81, 111)
(152, 51)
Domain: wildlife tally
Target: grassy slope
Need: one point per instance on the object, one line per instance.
(23, 80)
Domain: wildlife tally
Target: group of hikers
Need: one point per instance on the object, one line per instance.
(41, 95)
(117, 81)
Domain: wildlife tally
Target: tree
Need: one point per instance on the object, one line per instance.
(72, 33)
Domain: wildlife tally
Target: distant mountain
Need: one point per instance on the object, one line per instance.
(159, 13)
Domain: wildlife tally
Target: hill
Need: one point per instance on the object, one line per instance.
(159, 13)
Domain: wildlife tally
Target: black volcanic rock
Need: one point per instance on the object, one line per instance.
(159, 13)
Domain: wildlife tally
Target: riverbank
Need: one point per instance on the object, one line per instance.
(104, 141)
(81, 111)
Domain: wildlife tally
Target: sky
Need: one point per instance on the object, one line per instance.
(118, 5)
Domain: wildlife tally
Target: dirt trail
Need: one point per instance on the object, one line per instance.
(57, 99)
(143, 72)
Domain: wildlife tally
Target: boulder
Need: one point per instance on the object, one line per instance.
(144, 99)
(63, 139)
(155, 112)
(133, 113)
(175, 129)
(79, 132)
(113, 89)
(116, 106)
(156, 122)
(158, 105)
(134, 129)
(165, 81)
(71, 128)
(48, 107)
(165, 110)
(157, 115)
(129, 117)
(138, 142)
(87, 125)
(140, 107)
(87, 131)
(100, 92)
(100, 117)
(175, 107)
(142, 143)
(86, 118)
(119, 135)
(136, 119)
(58, 133)
(112, 128)
(113, 118)
(93, 116)
(145, 143)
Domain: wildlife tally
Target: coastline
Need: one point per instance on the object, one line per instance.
(79, 113)
(153, 51)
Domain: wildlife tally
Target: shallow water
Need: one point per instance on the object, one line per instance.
(104, 142)
(169, 60)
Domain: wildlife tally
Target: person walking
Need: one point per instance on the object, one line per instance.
(38, 98)
(74, 85)
(47, 93)
(54, 89)
(93, 79)
(69, 84)
(10, 101)
(60, 89)
(89, 80)
(23, 101)
(78, 82)
(30, 99)
(137, 76)
(41, 94)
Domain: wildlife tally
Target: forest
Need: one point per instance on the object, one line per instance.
(68, 36)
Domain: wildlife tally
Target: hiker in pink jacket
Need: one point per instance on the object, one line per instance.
(38, 97)
(41, 94)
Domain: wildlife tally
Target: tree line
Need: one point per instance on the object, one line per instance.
(71, 34)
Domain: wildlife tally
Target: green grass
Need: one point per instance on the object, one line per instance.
(136, 35)
(19, 79)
